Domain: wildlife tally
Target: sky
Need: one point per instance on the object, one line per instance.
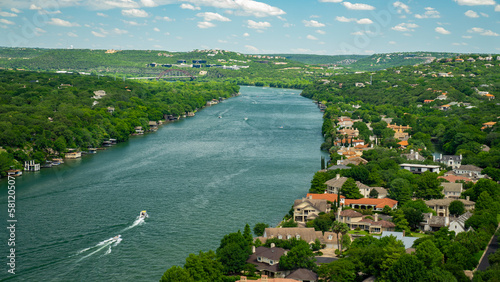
(324, 27)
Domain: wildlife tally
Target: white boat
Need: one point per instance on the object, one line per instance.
(246, 118)
(220, 116)
(116, 238)
(143, 214)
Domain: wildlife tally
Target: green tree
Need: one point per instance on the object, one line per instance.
(289, 223)
(350, 190)
(408, 268)
(60, 144)
(233, 252)
(429, 186)
(259, 228)
(247, 234)
(400, 221)
(176, 274)
(318, 183)
(400, 190)
(413, 217)
(342, 270)
(457, 208)
(373, 194)
(204, 267)
(339, 228)
(300, 256)
(429, 254)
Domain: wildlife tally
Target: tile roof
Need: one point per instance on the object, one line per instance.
(334, 182)
(469, 167)
(319, 204)
(451, 187)
(302, 274)
(329, 197)
(350, 213)
(454, 178)
(446, 202)
(378, 203)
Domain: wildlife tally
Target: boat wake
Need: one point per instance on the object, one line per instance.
(106, 244)
(137, 222)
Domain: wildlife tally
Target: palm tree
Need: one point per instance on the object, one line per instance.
(340, 228)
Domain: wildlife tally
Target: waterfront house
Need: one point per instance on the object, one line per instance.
(139, 130)
(441, 206)
(266, 261)
(307, 234)
(353, 160)
(355, 220)
(420, 168)
(73, 155)
(369, 203)
(153, 125)
(452, 190)
(307, 209)
(31, 166)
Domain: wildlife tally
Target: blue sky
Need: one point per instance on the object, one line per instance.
(252, 26)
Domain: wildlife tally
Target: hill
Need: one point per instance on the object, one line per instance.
(390, 60)
(323, 59)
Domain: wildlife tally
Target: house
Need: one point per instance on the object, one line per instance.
(454, 178)
(442, 97)
(452, 190)
(355, 220)
(452, 161)
(441, 206)
(444, 107)
(139, 130)
(307, 209)
(153, 125)
(459, 60)
(307, 234)
(488, 125)
(470, 170)
(399, 131)
(458, 224)
(353, 160)
(334, 185)
(303, 275)
(73, 155)
(345, 122)
(382, 192)
(432, 222)
(266, 261)
(326, 196)
(403, 144)
(98, 94)
(413, 156)
(428, 101)
(350, 132)
(110, 109)
(368, 203)
(420, 168)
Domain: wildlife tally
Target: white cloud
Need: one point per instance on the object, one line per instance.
(314, 16)
(205, 24)
(482, 31)
(119, 31)
(313, 23)
(471, 14)
(364, 21)
(221, 41)
(429, 13)
(466, 36)
(97, 34)
(485, 15)
(258, 25)
(34, 7)
(60, 22)
(242, 7)
(17, 11)
(459, 44)
(300, 50)
(441, 30)
(156, 29)
(311, 37)
(102, 15)
(320, 31)
(359, 32)
(133, 23)
(405, 27)
(209, 16)
(475, 2)
(344, 19)
(7, 14)
(251, 48)
(189, 7)
(109, 4)
(401, 7)
(148, 3)
(71, 34)
(357, 6)
(39, 30)
(330, 1)
(392, 42)
(137, 13)
(167, 19)
(246, 34)
(497, 8)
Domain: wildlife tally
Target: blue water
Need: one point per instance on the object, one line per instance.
(199, 179)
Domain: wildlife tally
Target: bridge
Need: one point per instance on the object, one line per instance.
(169, 74)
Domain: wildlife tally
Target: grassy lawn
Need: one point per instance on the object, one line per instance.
(419, 235)
(361, 232)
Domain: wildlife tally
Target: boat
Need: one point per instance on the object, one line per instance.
(220, 116)
(143, 214)
(117, 237)
(246, 118)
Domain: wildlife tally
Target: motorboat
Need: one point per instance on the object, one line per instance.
(117, 237)
(143, 214)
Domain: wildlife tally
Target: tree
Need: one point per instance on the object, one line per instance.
(429, 186)
(350, 190)
(373, 194)
(413, 217)
(318, 183)
(60, 144)
(407, 268)
(400, 221)
(247, 234)
(484, 201)
(233, 252)
(300, 256)
(400, 190)
(290, 223)
(340, 228)
(204, 267)
(259, 228)
(342, 270)
(456, 208)
(429, 254)
(176, 274)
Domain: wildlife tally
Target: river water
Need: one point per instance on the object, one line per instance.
(199, 179)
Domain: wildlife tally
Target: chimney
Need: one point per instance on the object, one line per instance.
(460, 156)
(467, 198)
(337, 176)
(404, 232)
(272, 245)
(310, 197)
(376, 217)
(447, 221)
(416, 155)
(411, 151)
(440, 156)
(253, 249)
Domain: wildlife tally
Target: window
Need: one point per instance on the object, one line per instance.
(289, 236)
(298, 236)
(330, 237)
(271, 262)
(280, 237)
(259, 258)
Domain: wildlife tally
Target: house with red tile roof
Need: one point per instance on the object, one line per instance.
(355, 220)
(375, 204)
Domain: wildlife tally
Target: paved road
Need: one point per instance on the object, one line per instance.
(493, 247)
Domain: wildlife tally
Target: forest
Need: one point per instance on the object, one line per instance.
(44, 114)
